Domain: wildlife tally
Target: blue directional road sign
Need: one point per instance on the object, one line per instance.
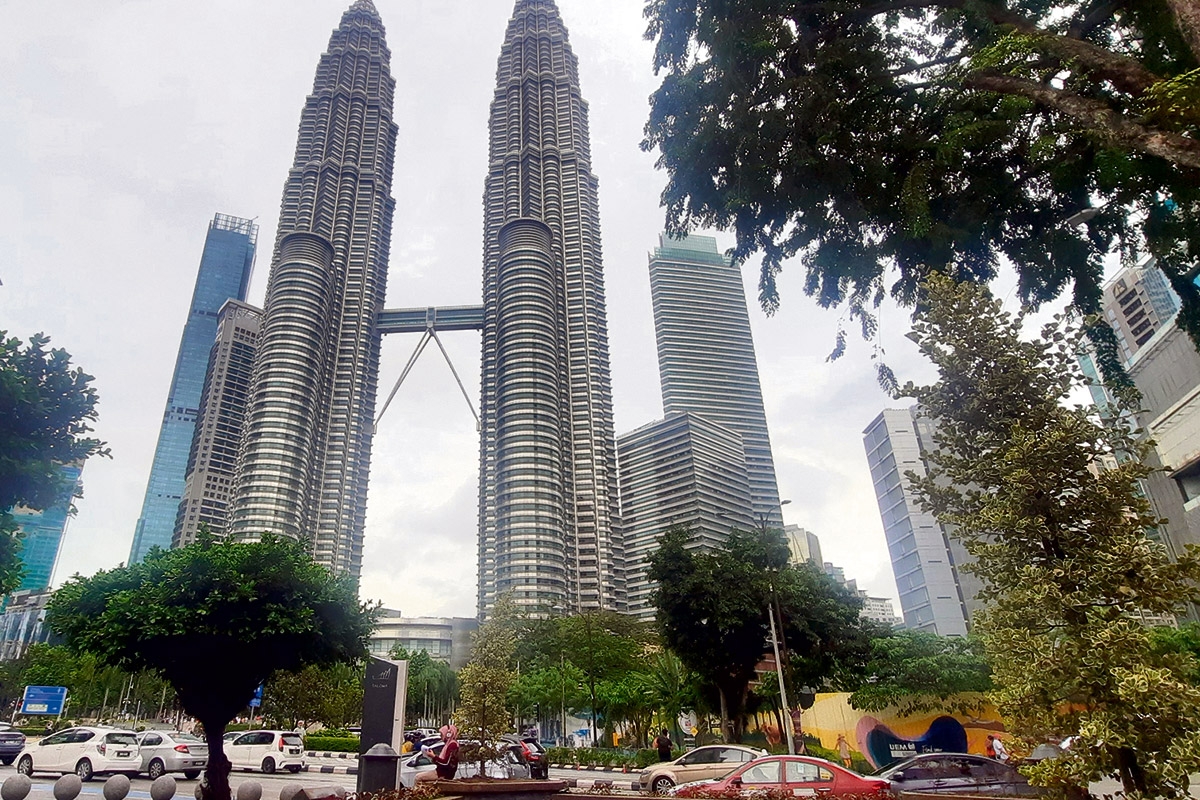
(44, 700)
(256, 701)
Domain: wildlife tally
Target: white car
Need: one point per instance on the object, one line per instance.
(267, 751)
(84, 751)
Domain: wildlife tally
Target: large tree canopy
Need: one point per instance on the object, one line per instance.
(712, 612)
(1046, 498)
(216, 619)
(46, 411)
(871, 137)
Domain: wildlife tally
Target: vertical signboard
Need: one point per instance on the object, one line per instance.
(384, 691)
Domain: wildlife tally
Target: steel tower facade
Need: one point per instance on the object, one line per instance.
(305, 456)
(548, 530)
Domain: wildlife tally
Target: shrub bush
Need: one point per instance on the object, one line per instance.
(332, 744)
(603, 757)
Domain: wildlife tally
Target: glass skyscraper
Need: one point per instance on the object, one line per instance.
(42, 533)
(225, 268)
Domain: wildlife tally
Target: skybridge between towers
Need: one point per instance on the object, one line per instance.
(427, 322)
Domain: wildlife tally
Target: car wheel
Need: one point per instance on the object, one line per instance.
(191, 774)
(293, 768)
(7, 760)
(156, 770)
(25, 766)
(662, 784)
(84, 770)
(268, 766)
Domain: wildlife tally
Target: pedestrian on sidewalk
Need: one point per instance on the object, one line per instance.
(663, 743)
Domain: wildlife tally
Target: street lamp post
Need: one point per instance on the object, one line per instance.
(783, 698)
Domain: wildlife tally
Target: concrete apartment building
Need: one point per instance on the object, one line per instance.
(446, 639)
(212, 461)
(683, 470)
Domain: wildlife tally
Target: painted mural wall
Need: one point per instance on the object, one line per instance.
(885, 737)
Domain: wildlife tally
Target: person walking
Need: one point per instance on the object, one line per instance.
(663, 743)
(843, 748)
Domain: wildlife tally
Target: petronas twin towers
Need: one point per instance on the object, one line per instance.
(548, 533)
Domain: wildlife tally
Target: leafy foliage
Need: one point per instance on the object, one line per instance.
(712, 612)
(216, 619)
(432, 687)
(46, 411)
(922, 136)
(488, 677)
(919, 672)
(331, 695)
(1045, 497)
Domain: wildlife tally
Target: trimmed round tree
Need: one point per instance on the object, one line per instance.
(216, 619)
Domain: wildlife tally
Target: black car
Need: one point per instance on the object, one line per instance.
(956, 772)
(12, 742)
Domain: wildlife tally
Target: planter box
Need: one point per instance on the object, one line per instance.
(501, 789)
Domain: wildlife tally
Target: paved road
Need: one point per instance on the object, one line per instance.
(43, 784)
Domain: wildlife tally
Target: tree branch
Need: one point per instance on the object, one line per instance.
(1126, 74)
(1096, 116)
(937, 62)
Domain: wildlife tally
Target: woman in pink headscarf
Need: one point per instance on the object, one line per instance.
(447, 760)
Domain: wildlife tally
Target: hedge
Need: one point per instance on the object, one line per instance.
(332, 744)
(603, 757)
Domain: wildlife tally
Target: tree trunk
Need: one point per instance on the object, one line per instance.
(724, 716)
(1187, 17)
(215, 785)
(1133, 779)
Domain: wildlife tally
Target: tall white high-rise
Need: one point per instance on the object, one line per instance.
(706, 359)
(925, 559)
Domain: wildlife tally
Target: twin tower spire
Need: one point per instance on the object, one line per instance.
(548, 533)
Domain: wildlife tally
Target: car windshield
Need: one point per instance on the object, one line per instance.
(120, 738)
(186, 737)
(292, 740)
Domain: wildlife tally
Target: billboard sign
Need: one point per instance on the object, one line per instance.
(48, 700)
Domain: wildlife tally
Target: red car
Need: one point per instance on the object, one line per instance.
(795, 775)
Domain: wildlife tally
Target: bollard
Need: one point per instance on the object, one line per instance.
(16, 787)
(67, 787)
(163, 788)
(249, 790)
(116, 787)
(378, 769)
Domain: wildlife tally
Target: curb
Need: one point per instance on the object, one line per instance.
(582, 767)
(315, 754)
(590, 785)
(331, 770)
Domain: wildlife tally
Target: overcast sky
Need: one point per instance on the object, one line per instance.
(125, 125)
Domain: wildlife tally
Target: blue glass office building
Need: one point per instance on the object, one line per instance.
(42, 532)
(225, 268)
